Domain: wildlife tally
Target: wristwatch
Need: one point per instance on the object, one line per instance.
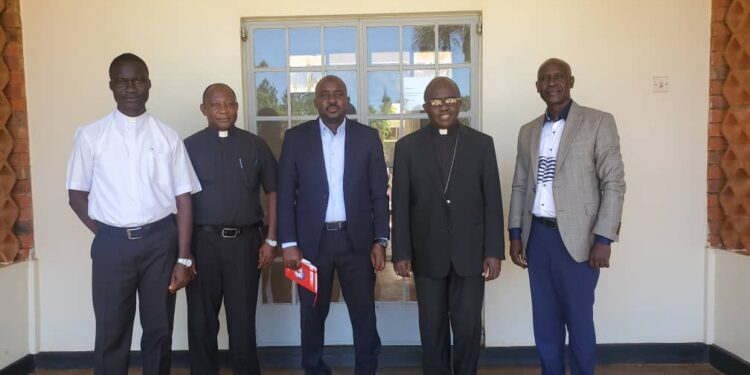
(382, 242)
(187, 262)
(271, 242)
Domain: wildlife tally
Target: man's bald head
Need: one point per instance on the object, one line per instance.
(330, 78)
(220, 106)
(214, 86)
(439, 82)
(555, 61)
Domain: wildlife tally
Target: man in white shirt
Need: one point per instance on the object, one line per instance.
(128, 176)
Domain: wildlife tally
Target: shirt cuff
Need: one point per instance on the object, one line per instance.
(602, 240)
(381, 238)
(288, 244)
(514, 233)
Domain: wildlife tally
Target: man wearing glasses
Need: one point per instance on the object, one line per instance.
(447, 215)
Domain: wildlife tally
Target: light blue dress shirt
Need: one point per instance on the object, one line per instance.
(333, 155)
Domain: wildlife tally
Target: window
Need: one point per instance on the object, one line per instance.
(386, 62)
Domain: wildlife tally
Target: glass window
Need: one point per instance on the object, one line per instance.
(385, 62)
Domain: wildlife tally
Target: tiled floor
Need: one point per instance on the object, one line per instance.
(699, 369)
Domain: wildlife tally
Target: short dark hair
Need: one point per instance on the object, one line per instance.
(126, 57)
(211, 86)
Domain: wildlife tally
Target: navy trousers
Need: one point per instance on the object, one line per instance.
(227, 270)
(357, 280)
(562, 296)
(122, 266)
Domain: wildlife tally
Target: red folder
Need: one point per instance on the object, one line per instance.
(306, 275)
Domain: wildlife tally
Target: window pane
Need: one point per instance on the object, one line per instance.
(415, 81)
(273, 133)
(340, 45)
(269, 48)
(383, 93)
(419, 44)
(350, 80)
(454, 44)
(304, 47)
(412, 125)
(382, 45)
(462, 77)
(389, 134)
(275, 287)
(270, 93)
(302, 89)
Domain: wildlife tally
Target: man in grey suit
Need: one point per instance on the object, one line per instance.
(565, 210)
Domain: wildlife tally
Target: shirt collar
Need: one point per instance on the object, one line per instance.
(130, 121)
(563, 114)
(215, 132)
(324, 129)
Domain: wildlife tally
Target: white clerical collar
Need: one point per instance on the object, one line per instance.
(128, 120)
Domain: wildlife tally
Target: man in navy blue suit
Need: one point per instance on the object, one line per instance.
(333, 210)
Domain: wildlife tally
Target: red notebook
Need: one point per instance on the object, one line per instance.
(306, 275)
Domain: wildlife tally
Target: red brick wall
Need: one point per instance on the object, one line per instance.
(729, 126)
(16, 225)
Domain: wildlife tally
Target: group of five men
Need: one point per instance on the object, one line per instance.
(168, 214)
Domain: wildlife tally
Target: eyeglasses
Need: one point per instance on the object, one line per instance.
(437, 103)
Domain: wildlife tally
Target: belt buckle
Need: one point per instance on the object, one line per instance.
(334, 226)
(230, 232)
(130, 233)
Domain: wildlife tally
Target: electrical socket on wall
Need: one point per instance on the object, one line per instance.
(661, 84)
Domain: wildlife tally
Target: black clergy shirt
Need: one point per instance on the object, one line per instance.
(231, 171)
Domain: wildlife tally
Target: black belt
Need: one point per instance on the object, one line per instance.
(335, 225)
(229, 231)
(548, 221)
(136, 233)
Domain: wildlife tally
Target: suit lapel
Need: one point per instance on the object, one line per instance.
(463, 149)
(350, 146)
(534, 141)
(317, 151)
(572, 126)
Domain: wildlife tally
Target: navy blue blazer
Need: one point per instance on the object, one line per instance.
(303, 187)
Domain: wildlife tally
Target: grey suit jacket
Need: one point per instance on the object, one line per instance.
(589, 184)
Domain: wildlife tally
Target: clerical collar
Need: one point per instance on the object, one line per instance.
(563, 115)
(445, 131)
(221, 133)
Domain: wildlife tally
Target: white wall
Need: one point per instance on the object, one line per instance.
(653, 293)
(732, 333)
(14, 327)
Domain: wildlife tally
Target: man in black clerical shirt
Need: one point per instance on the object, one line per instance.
(447, 215)
(232, 164)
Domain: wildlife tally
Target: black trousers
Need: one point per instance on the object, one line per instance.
(122, 267)
(450, 302)
(227, 269)
(357, 280)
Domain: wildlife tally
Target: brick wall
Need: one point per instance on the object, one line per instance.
(16, 225)
(729, 126)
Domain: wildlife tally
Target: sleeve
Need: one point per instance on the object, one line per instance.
(520, 182)
(379, 188)
(286, 192)
(184, 179)
(400, 195)
(611, 173)
(268, 167)
(81, 164)
(494, 239)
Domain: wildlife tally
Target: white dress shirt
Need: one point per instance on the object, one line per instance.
(132, 167)
(549, 142)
